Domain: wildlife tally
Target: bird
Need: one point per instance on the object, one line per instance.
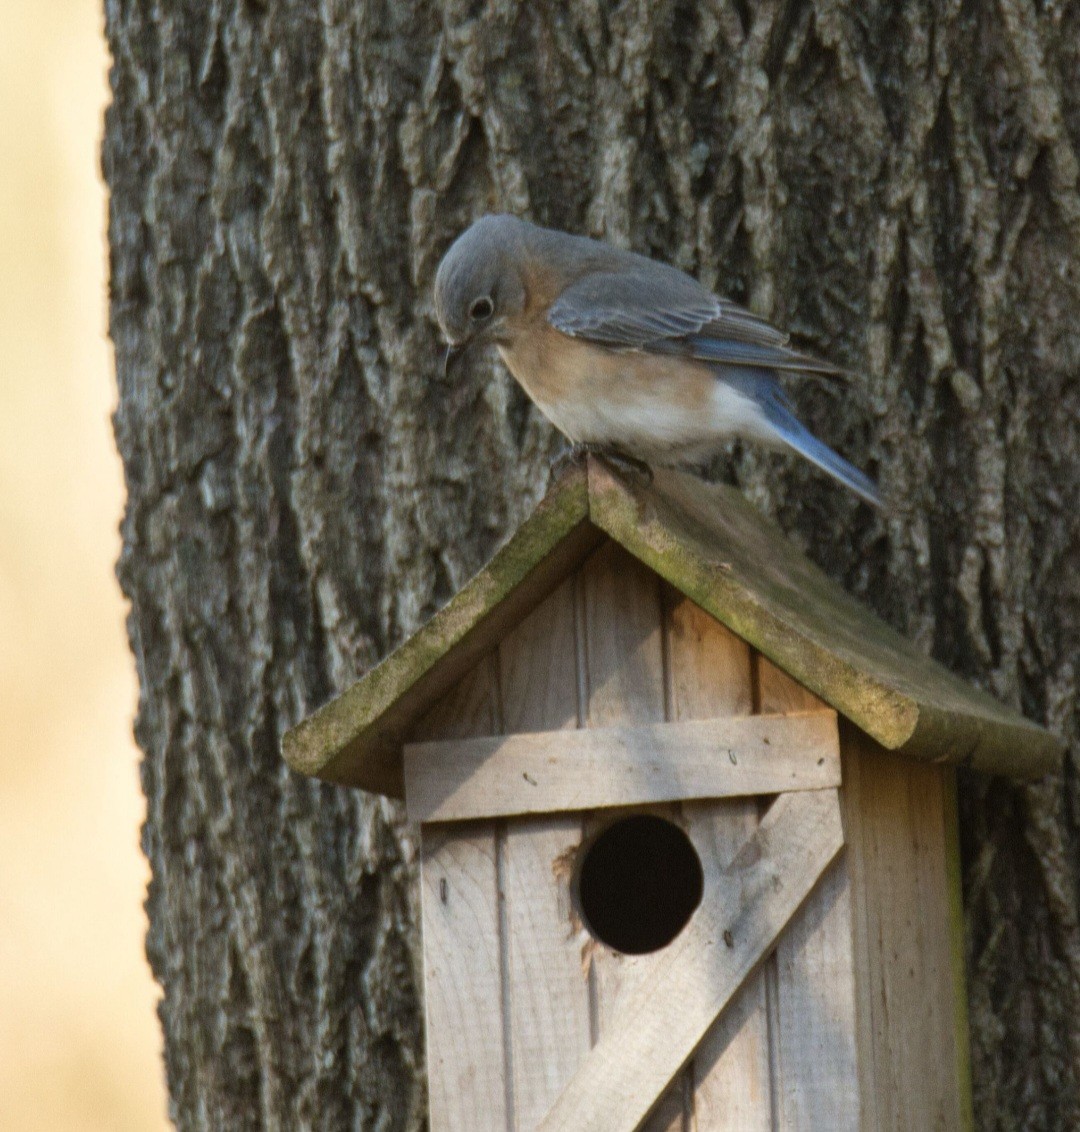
(623, 354)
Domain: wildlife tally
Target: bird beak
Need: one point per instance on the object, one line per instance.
(451, 357)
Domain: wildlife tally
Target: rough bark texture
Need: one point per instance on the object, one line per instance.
(897, 183)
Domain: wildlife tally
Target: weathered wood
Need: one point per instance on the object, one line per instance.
(462, 941)
(730, 1069)
(911, 1054)
(961, 1019)
(462, 980)
(620, 766)
(815, 1069)
(660, 1020)
(538, 677)
(710, 542)
(547, 994)
(623, 639)
(708, 666)
(548, 1030)
(709, 675)
(816, 1077)
(622, 648)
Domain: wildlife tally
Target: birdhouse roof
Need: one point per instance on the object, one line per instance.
(713, 546)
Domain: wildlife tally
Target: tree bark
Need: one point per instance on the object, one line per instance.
(896, 183)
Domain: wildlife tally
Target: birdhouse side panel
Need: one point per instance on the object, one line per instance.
(900, 817)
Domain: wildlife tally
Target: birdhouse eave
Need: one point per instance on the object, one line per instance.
(356, 738)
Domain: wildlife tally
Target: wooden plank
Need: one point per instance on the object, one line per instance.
(731, 1066)
(851, 807)
(547, 989)
(911, 1055)
(622, 650)
(470, 708)
(815, 1072)
(660, 1021)
(462, 979)
(708, 676)
(538, 667)
(817, 1075)
(708, 666)
(623, 639)
(463, 975)
(961, 1031)
(548, 771)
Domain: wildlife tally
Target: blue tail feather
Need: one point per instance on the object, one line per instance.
(798, 437)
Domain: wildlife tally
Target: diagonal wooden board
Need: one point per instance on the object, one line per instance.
(661, 1021)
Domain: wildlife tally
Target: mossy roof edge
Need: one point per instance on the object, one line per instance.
(355, 738)
(711, 544)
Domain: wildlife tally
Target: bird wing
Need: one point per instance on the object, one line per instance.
(659, 309)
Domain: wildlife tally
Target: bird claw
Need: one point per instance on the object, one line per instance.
(629, 467)
(569, 457)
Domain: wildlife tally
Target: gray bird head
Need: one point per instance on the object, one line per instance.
(478, 285)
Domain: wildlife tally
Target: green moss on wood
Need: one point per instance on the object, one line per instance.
(331, 742)
(711, 544)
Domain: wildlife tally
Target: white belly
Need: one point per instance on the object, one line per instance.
(653, 408)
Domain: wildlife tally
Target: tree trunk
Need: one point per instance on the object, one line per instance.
(896, 183)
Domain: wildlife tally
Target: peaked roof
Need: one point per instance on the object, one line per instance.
(711, 544)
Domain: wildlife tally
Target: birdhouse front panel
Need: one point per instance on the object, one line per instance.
(531, 1015)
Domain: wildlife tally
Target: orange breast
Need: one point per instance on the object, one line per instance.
(645, 404)
(554, 368)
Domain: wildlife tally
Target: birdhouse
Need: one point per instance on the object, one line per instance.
(688, 828)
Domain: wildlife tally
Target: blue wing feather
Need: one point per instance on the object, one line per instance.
(663, 311)
(732, 352)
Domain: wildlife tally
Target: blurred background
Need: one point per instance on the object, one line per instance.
(79, 1042)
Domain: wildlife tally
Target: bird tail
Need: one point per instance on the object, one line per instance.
(797, 436)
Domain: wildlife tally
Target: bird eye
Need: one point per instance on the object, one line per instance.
(481, 309)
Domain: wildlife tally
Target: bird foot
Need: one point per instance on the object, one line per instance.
(569, 457)
(628, 466)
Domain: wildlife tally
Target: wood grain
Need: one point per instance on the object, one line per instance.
(463, 976)
(462, 979)
(547, 994)
(815, 1069)
(911, 1056)
(548, 771)
(659, 1021)
(624, 682)
(710, 542)
(709, 674)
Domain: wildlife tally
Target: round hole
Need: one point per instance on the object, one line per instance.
(638, 883)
